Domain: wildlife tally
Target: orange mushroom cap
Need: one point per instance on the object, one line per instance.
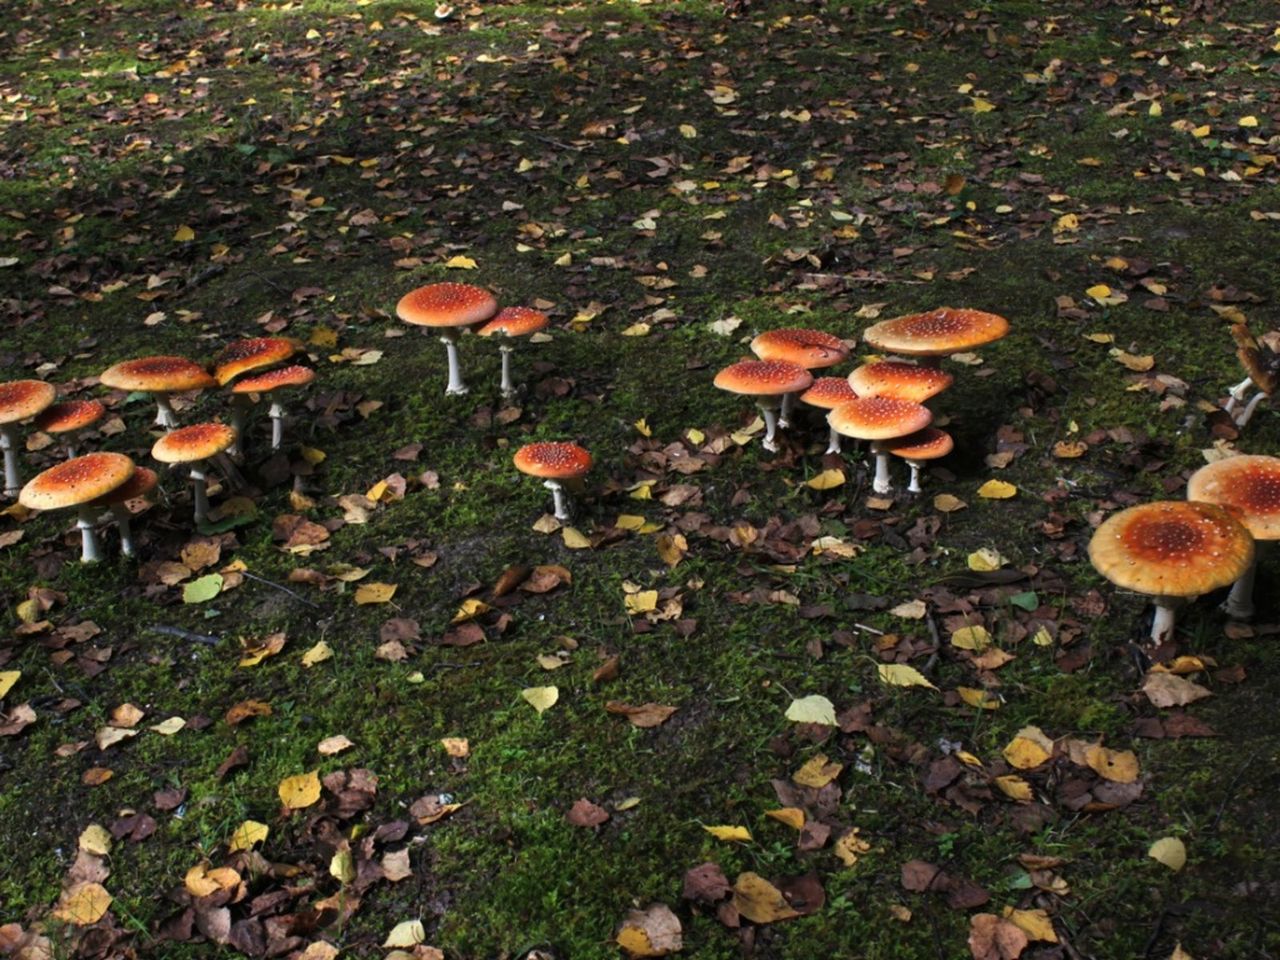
(936, 333)
(142, 482)
(829, 393)
(553, 460)
(764, 378)
(163, 374)
(70, 415)
(196, 442)
(1248, 486)
(294, 376)
(905, 381)
(252, 353)
(810, 349)
(76, 481)
(927, 444)
(878, 418)
(446, 305)
(514, 322)
(1171, 548)
(20, 399)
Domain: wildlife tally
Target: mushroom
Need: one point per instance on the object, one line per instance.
(279, 379)
(1171, 550)
(448, 307)
(78, 483)
(509, 323)
(142, 482)
(811, 349)
(927, 444)
(876, 419)
(767, 380)
(19, 400)
(160, 376)
(1262, 373)
(242, 356)
(827, 393)
(900, 380)
(1249, 487)
(70, 417)
(194, 445)
(554, 462)
(936, 334)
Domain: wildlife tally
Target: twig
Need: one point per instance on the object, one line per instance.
(1222, 807)
(208, 639)
(281, 587)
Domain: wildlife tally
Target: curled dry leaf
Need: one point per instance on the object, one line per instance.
(652, 932)
(995, 938)
(644, 715)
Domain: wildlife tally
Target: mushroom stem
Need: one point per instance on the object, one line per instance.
(561, 510)
(276, 413)
(770, 425)
(1239, 602)
(1163, 622)
(784, 415)
(89, 550)
(122, 517)
(833, 441)
(508, 388)
(455, 387)
(1247, 413)
(199, 497)
(914, 485)
(1237, 393)
(165, 417)
(9, 444)
(240, 407)
(882, 482)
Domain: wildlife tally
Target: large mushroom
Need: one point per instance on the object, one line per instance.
(900, 380)
(19, 400)
(448, 307)
(1248, 486)
(877, 419)
(1171, 550)
(509, 323)
(142, 482)
(811, 349)
(936, 333)
(161, 377)
(194, 445)
(556, 463)
(70, 417)
(827, 393)
(273, 381)
(78, 483)
(768, 381)
(1263, 373)
(916, 448)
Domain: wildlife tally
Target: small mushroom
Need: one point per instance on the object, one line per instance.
(811, 349)
(70, 417)
(271, 382)
(768, 381)
(936, 333)
(927, 444)
(876, 419)
(509, 323)
(1249, 487)
(448, 307)
(1264, 373)
(252, 353)
(556, 463)
(900, 380)
(78, 483)
(1171, 550)
(194, 445)
(827, 393)
(19, 400)
(142, 482)
(161, 377)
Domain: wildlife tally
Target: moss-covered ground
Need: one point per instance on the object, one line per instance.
(665, 180)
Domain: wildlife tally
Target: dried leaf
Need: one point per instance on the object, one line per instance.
(541, 698)
(1170, 851)
(301, 790)
(902, 675)
(812, 709)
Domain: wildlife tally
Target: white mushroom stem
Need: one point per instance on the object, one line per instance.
(1237, 393)
(561, 510)
(784, 416)
(199, 496)
(1239, 602)
(1247, 413)
(276, 413)
(455, 387)
(123, 517)
(240, 407)
(89, 549)
(508, 388)
(914, 485)
(9, 444)
(1163, 622)
(770, 414)
(882, 482)
(833, 441)
(165, 417)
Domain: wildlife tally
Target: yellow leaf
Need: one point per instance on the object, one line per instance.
(7, 679)
(689, 131)
(812, 709)
(1249, 121)
(317, 654)
(792, 816)
(456, 746)
(637, 330)
(28, 611)
(1101, 337)
(826, 480)
(1119, 766)
(83, 904)
(629, 521)
(1066, 223)
(375, 592)
(911, 610)
(850, 847)
(257, 651)
(641, 602)
(985, 560)
(248, 834)
(982, 699)
(1099, 291)
(1042, 638)
(1170, 851)
(184, 234)
(982, 106)
(342, 867)
(997, 490)
(1014, 787)
(975, 638)
(817, 772)
(541, 698)
(410, 933)
(95, 840)
(469, 609)
(946, 503)
(1139, 364)
(460, 263)
(729, 833)
(902, 675)
(574, 540)
(167, 728)
(300, 791)
(335, 744)
(1028, 749)
(759, 901)
(642, 427)
(1034, 923)
(672, 548)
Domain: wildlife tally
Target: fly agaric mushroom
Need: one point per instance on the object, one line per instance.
(1262, 373)
(811, 349)
(19, 400)
(555, 462)
(767, 381)
(78, 483)
(936, 334)
(927, 444)
(1249, 487)
(273, 380)
(142, 482)
(827, 393)
(70, 417)
(448, 307)
(1171, 550)
(252, 353)
(161, 377)
(900, 380)
(876, 419)
(194, 445)
(509, 323)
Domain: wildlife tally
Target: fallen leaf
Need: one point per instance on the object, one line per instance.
(902, 675)
(817, 772)
(406, 934)
(375, 593)
(318, 653)
(1119, 766)
(7, 679)
(96, 840)
(335, 744)
(652, 932)
(995, 938)
(759, 901)
(300, 791)
(1034, 923)
(729, 833)
(645, 715)
(813, 709)
(245, 836)
(203, 589)
(1170, 851)
(82, 904)
(1028, 749)
(541, 698)
(1170, 690)
(997, 490)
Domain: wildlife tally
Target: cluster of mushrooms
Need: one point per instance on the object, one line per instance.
(881, 401)
(250, 369)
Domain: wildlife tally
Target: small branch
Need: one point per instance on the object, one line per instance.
(207, 639)
(282, 588)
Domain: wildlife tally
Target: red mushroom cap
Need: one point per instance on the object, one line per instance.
(252, 353)
(446, 305)
(294, 376)
(157, 375)
(196, 442)
(70, 415)
(76, 481)
(904, 381)
(553, 460)
(878, 418)
(514, 322)
(828, 393)
(927, 444)
(810, 349)
(936, 333)
(142, 482)
(20, 399)
(1248, 486)
(764, 378)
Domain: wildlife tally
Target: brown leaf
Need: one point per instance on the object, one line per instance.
(706, 883)
(920, 877)
(994, 938)
(584, 813)
(1170, 690)
(238, 757)
(245, 709)
(652, 932)
(645, 715)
